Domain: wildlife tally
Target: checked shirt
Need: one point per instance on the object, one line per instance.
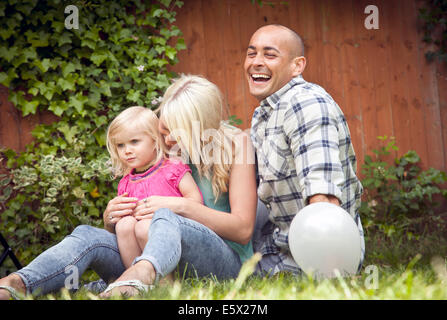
(303, 148)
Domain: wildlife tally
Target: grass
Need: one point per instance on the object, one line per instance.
(394, 269)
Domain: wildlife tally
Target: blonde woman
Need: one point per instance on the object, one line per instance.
(210, 239)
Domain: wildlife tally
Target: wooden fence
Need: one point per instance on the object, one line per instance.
(380, 78)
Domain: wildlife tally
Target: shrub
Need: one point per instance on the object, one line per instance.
(117, 58)
(400, 197)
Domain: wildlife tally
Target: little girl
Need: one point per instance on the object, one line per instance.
(138, 153)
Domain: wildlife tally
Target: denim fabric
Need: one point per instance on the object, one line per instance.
(65, 262)
(197, 250)
(173, 240)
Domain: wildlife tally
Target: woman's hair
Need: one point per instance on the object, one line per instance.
(192, 110)
(139, 118)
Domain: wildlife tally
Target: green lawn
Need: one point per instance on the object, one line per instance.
(394, 269)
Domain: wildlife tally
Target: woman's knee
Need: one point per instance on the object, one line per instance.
(86, 231)
(89, 235)
(165, 214)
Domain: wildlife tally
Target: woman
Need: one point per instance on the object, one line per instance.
(206, 239)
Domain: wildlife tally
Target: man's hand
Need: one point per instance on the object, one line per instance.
(324, 198)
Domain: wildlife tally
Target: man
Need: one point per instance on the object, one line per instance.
(302, 142)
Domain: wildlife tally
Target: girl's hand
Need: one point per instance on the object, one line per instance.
(146, 208)
(117, 208)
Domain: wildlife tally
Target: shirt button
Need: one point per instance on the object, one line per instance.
(268, 206)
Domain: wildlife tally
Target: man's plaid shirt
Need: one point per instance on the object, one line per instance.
(303, 148)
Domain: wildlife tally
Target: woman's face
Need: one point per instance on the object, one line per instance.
(166, 134)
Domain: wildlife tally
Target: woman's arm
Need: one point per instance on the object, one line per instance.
(237, 226)
(117, 208)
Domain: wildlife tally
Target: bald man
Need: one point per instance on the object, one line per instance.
(302, 142)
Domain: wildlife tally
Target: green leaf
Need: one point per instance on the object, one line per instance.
(29, 53)
(98, 57)
(8, 53)
(85, 42)
(104, 88)
(30, 107)
(181, 45)
(43, 65)
(68, 68)
(78, 102)
(170, 53)
(58, 107)
(40, 39)
(6, 33)
(3, 78)
(133, 95)
(68, 131)
(66, 84)
(64, 38)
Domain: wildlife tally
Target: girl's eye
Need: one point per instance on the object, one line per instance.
(120, 145)
(134, 141)
(251, 54)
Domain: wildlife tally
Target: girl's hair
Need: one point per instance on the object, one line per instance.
(192, 109)
(139, 118)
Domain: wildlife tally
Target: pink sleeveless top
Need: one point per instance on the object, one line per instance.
(162, 179)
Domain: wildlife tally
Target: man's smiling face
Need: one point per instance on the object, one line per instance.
(269, 64)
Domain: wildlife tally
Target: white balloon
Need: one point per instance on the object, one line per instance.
(323, 237)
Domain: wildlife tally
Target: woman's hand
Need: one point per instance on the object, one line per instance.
(146, 208)
(117, 208)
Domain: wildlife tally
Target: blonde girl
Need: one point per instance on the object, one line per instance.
(137, 152)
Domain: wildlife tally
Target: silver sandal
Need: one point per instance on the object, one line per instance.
(13, 292)
(137, 284)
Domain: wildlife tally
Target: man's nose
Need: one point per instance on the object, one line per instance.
(258, 60)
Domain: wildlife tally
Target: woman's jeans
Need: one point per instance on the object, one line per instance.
(173, 241)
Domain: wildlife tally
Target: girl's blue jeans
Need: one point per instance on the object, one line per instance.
(173, 241)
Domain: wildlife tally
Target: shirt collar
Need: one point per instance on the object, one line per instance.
(273, 99)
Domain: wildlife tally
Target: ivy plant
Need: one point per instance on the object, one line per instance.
(434, 18)
(117, 57)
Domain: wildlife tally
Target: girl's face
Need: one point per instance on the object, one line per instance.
(136, 149)
(169, 141)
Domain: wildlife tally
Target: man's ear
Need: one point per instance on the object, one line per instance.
(299, 64)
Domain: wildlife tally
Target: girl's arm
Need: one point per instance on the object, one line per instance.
(189, 189)
(237, 226)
